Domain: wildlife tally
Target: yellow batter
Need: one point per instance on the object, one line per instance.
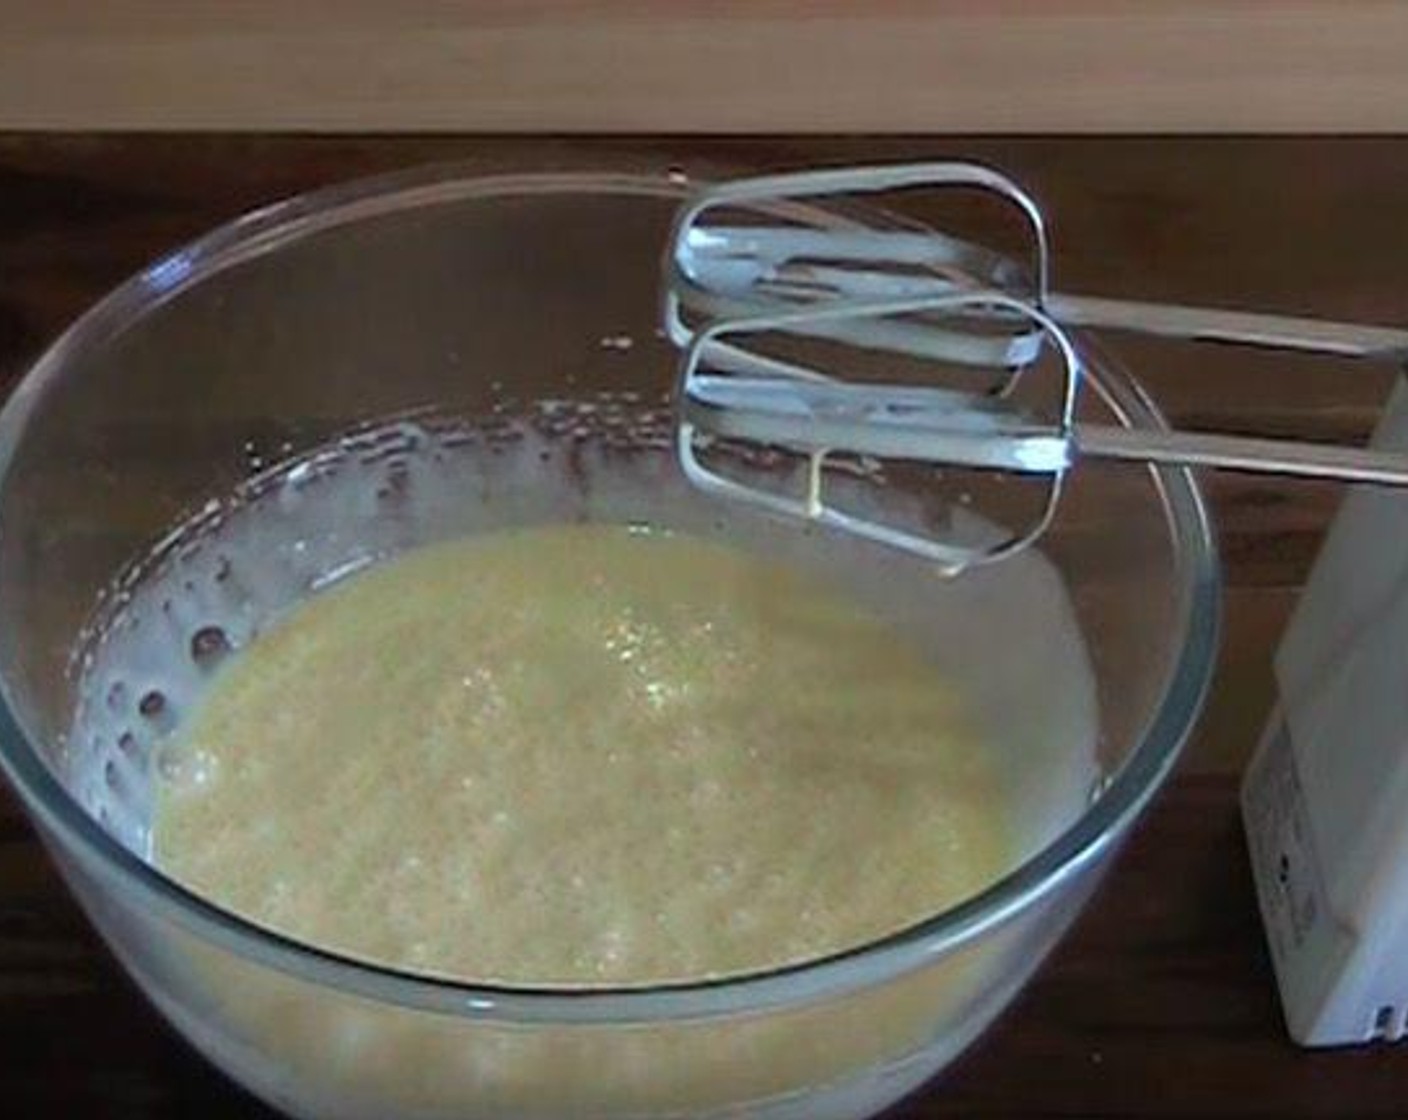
(581, 755)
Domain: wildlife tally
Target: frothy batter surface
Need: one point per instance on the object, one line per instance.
(581, 755)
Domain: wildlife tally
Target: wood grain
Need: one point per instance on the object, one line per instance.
(740, 66)
(1161, 1004)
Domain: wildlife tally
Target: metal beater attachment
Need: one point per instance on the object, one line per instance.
(774, 301)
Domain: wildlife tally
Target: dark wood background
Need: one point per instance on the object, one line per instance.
(1161, 1003)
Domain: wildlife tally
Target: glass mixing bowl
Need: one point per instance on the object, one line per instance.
(435, 289)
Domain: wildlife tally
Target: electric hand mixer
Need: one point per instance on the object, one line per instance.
(1323, 798)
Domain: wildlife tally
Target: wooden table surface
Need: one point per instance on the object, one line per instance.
(705, 65)
(1161, 1003)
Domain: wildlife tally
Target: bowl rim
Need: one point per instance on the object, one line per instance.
(83, 845)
